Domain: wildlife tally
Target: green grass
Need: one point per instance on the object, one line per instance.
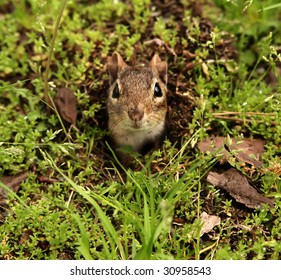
(96, 209)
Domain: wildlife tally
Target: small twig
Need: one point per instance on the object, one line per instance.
(239, 120)
(227, 113)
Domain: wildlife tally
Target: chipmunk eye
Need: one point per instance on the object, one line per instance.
(157, 91)
(116, 92)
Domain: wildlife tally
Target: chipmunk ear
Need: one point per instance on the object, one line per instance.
(114, 65)
(160, 66)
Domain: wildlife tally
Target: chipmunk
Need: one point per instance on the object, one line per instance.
(137, 102)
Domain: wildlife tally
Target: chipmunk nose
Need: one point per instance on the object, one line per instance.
(135, 113)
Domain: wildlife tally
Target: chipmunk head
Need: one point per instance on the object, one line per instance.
(137, 101)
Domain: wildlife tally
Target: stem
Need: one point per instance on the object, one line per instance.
(48, 98)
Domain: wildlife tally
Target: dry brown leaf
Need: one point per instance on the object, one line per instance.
(209, 222)
(237, 185)
(159, 43)
(205, 70)
(48, 180)
(13, 182)
(66, 104)
(188, 54)
(247, 150)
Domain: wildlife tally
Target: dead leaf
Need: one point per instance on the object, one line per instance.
(205, 70)
(13, 182)
(189, 55)
(25, 236)
(159, 43)
(66, 104)
(48, 180)
(247, 150)
(209, 222)
(178, 221)
(238, 186)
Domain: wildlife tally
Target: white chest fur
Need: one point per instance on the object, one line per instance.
(137, 137)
